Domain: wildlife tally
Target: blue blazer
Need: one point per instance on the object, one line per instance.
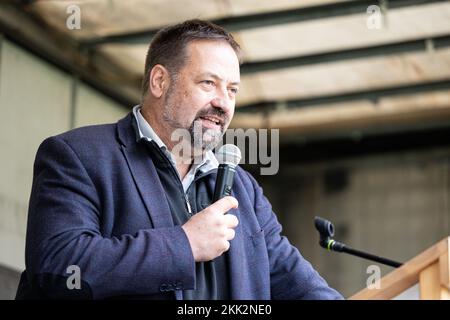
(97, 203)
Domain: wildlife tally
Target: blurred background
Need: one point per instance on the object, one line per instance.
(360, 91)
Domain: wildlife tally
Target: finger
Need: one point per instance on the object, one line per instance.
(231, 221)
(230, 234)
(226, 246)
(223, 205)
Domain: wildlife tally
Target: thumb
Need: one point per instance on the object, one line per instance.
(224, 205)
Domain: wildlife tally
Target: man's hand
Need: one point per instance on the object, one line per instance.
(210, 230)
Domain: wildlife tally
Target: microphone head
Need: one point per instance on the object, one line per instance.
(326, 231)
(229, 154)
(325, 227)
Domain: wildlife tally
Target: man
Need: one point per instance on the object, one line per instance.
(136, 220)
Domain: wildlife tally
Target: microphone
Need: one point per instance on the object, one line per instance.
(326, 232)
(228, 156)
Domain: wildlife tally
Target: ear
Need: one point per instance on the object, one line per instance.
(159, 81)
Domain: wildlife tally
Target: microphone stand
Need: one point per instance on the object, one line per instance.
(326, 231)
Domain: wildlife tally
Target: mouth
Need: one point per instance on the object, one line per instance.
(211, 122)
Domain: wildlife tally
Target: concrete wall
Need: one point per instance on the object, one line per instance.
(37, 100)
(94, 108)
(393, 205)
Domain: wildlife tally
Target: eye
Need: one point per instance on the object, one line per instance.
(208, 82)
(234, 90)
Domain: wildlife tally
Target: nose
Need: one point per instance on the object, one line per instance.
(223, 101)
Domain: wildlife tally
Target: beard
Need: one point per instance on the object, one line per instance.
(201, 139)
(206, 139)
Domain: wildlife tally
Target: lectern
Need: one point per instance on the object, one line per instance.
(425, 277)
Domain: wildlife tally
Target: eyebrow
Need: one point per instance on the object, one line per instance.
(215, 76)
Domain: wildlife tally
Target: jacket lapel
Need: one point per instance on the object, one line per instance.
(144, 174)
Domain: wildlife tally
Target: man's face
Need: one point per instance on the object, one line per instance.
(203, 94)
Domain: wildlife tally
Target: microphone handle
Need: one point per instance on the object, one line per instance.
(224, 182)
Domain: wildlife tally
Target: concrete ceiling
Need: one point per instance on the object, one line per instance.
(311, 67)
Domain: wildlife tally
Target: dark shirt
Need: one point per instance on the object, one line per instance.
(211, 277)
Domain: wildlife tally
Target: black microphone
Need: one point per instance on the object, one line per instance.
(228, 156)
(326, 232)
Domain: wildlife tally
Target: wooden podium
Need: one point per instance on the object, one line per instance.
(428, 273)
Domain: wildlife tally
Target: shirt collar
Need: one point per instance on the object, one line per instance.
(146, 132)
